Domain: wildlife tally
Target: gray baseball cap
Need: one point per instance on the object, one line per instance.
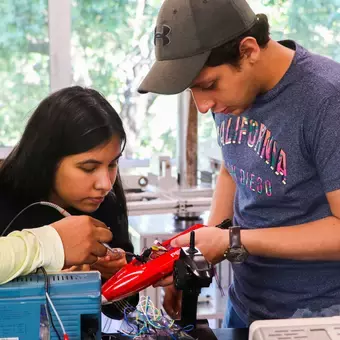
(185, 33)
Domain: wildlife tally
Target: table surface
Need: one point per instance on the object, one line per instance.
(220, 334)
(231, 334)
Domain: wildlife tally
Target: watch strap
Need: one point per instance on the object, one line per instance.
(235, 237)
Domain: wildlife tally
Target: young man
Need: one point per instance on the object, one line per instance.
(276, 108)
(71, 241)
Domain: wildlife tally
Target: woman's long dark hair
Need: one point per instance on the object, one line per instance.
(70, 121)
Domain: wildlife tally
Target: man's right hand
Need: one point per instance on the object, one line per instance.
(82, 237)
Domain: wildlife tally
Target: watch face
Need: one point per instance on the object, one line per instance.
(236, 255)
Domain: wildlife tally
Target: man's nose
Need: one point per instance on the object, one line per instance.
(203, 103)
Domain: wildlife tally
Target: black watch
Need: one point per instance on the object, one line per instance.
(236, 253)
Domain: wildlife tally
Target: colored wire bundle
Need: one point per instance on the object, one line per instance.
(147, 321)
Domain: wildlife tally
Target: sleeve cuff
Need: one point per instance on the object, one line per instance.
(51, 247)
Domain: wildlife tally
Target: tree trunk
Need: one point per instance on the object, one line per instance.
(191, 150)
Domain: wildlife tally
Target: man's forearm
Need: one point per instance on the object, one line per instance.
(223, 198)
(318, 240)
(21, 252)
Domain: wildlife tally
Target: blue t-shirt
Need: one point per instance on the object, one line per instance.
(284, 155)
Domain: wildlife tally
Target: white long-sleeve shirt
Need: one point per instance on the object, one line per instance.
(22, 252)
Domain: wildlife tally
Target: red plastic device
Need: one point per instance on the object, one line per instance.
(136, 275)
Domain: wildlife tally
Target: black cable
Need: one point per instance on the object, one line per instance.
(47, 290)
(17, 215)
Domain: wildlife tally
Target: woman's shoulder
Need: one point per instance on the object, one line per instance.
(9, 208)
(8, 205)
(24, 215)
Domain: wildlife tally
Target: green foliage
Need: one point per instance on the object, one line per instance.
(113, 42)
(23, 63)
(111, 50)
(315, 24)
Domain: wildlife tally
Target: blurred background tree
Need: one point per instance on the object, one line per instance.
(112, 50)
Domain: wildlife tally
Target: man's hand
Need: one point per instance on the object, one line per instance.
(211, 241)
(110, 264)
(81, 237)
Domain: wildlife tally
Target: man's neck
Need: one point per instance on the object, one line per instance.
(276, 60)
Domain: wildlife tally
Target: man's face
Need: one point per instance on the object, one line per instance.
(225, 88)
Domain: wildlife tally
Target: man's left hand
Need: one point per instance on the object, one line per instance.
(211, 241)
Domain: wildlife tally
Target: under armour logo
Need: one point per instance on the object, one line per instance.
(162, 32)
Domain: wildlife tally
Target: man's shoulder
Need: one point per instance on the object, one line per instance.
(319, 72)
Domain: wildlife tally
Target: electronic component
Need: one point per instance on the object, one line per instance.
(192, 272)
(325, 328)
(26, 312)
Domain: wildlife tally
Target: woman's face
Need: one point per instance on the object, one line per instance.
(83, 180)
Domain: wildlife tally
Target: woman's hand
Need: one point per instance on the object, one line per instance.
(172, 302)
(110, 264)
(80, 268)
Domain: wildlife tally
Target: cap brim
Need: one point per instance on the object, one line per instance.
(173, 76)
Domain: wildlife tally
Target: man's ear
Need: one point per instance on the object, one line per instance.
(249, 49)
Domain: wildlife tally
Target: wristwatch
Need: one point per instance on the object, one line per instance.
(236, 252)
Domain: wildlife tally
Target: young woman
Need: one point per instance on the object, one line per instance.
(68, 155)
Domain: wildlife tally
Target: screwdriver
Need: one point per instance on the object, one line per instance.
(115, 250)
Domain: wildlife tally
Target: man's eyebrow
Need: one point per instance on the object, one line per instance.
(196, 83)
(200, 83)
